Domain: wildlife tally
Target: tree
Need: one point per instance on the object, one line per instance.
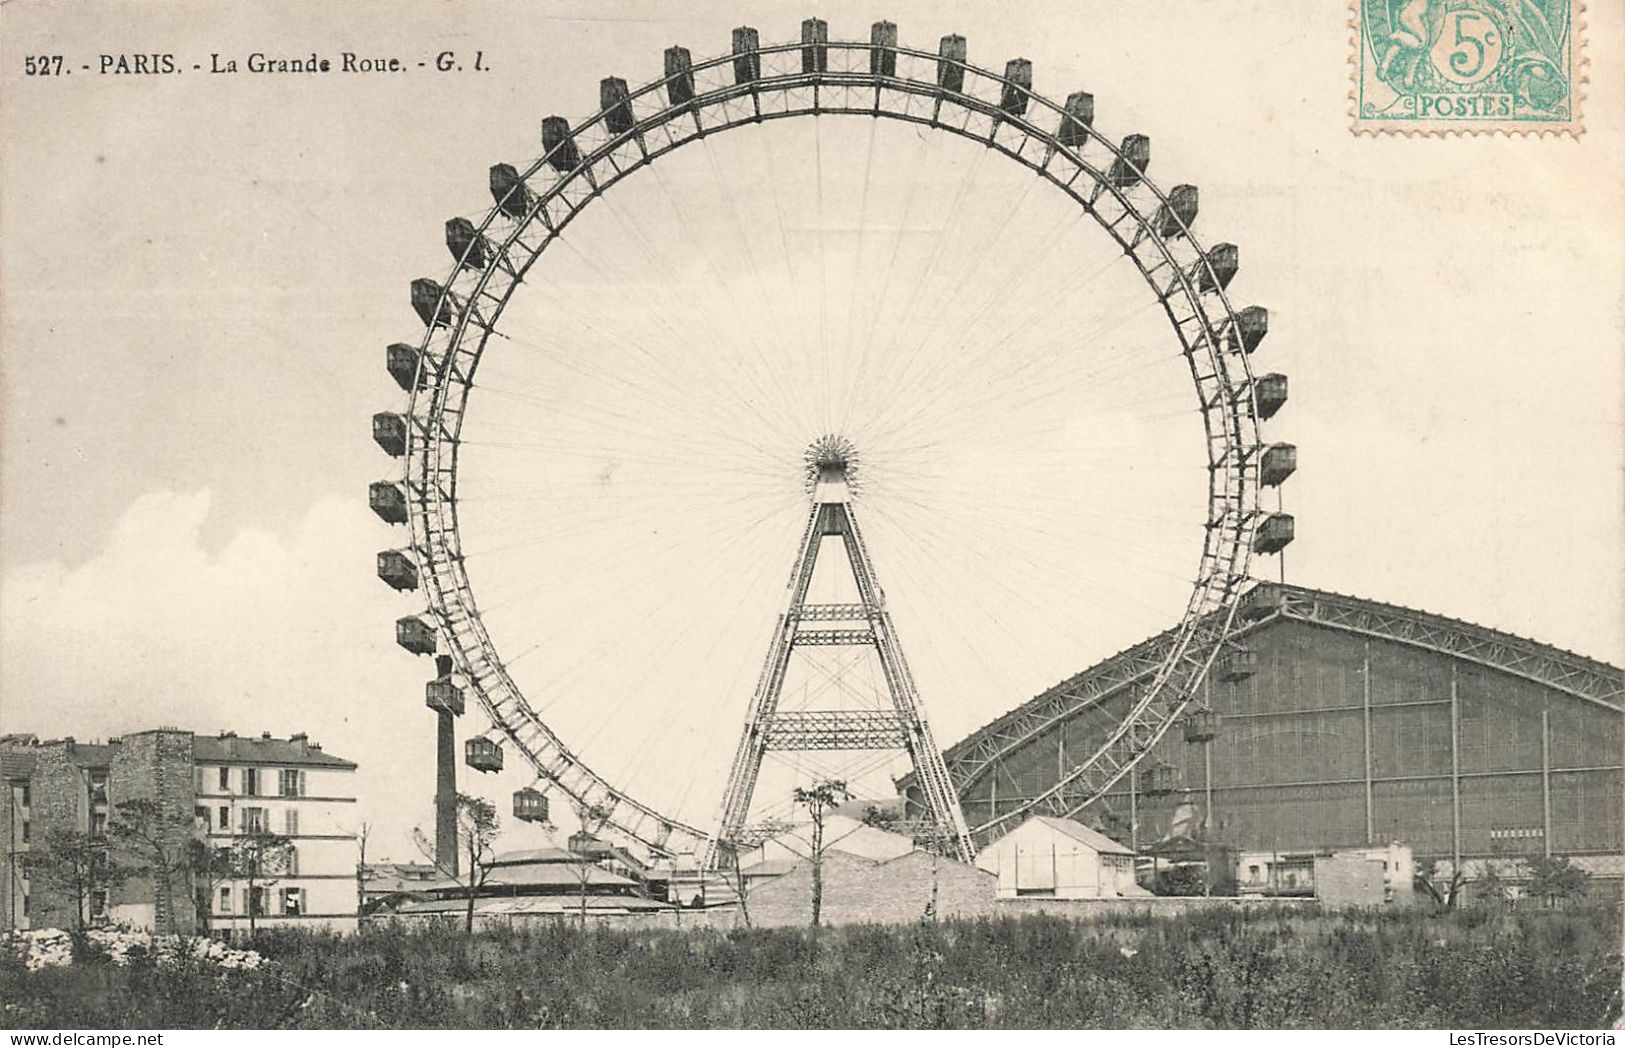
(1493, 887)
(210, 866)
(258, 857)
(477, 831)
(78, 865)
(1444, 891)
(158, 841)
(1184, 880)
(741, 883)
(881, 818)
(1554, 877)
(818, 799)
(361, 835)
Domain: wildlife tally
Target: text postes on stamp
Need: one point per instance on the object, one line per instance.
(1467, 65)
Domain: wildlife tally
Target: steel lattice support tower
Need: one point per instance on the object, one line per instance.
(866, 622)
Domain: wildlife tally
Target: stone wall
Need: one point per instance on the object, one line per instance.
(156, 766)
(858, 891)
(58, 805)
(1349, 880)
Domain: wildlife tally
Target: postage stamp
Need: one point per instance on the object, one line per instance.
(1467, 65)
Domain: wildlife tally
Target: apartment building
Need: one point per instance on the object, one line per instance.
(224, 788)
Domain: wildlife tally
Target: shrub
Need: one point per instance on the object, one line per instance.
(1212, 968)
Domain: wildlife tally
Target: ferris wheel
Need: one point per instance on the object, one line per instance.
(1148, 232)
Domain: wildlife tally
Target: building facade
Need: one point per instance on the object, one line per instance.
(221, 791)
(1053, 858)
(1342, 722)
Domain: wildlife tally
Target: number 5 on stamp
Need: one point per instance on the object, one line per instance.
(1467, 65)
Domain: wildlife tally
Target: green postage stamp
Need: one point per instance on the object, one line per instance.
(1468, 65)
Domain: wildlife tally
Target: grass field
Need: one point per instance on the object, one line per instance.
(1470, 969)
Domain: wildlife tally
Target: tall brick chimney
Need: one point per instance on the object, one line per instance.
(445, 783)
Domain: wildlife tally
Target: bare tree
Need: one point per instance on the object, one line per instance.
(741, 883)
(819, 799)
(362, 833)
(77, 865)
(477, 831)
(211, 867)
(157, 840)
(259, 857)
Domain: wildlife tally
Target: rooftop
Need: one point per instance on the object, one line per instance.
(230, 748)
(19, 752)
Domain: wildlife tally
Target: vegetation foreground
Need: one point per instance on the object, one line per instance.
(1468, 969)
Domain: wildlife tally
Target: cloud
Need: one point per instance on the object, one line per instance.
(278, 633)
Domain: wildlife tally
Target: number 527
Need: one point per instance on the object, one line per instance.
(42, 65)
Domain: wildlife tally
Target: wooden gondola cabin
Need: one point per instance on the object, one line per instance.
(530, 805)
(397, 569)
(415, 635)
(482, 754)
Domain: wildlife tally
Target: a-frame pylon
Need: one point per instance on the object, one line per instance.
(864, 622)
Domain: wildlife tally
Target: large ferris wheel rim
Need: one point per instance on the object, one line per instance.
(434, 440)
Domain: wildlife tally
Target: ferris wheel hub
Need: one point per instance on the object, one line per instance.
(831, 459)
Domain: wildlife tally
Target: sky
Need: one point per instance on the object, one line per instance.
(200, 275)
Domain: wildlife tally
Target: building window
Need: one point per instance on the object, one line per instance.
(293, 901)
(27, 904)
(254, 820)
(26, 830)
(256, 901)
(293, 782)
(98, 903)
(201, 814)
(1252, 873)
(224, 821)
(225, 780)
(290, 822)
(98, 823)
(251, 781)
(25, 795)
(98, 787)
(292, 869)
(225, 900)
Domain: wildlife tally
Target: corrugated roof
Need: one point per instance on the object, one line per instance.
(968, 747)
(528, 855)
(770, 868)
(536, 875)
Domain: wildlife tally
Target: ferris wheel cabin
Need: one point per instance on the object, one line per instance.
(1278, 463)
(1131, 164)
(1201, 725)
(389, 432)
(1223, 261)
(402, 362)
(530, 805)
(1237, 664)
(442, 696)
(388, 500)
(415, 635)
(467, 247)
(1274, 533)
(1270, 391)
(398, 570)
(482, 754)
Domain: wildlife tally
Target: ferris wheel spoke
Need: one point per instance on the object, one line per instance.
(622, 429)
